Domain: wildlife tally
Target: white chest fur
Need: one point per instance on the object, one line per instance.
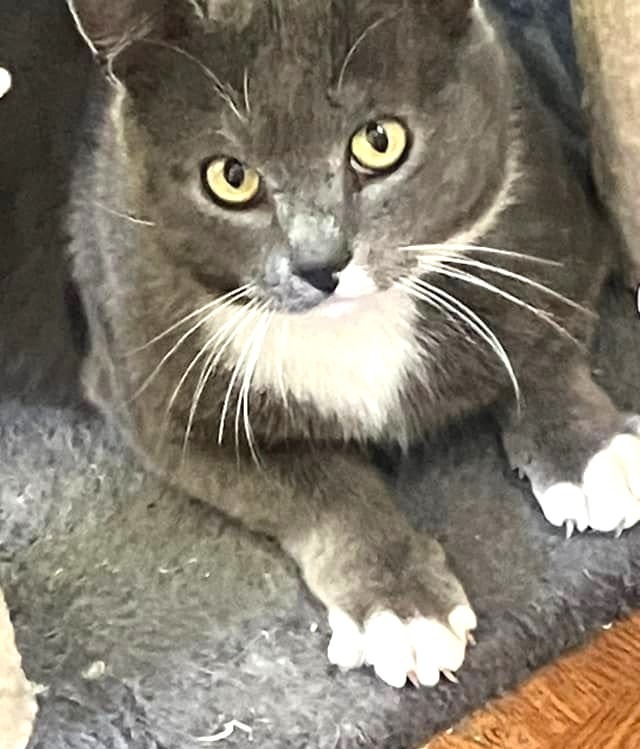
(349, 362)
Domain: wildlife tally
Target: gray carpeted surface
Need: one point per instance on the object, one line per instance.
(199, 623)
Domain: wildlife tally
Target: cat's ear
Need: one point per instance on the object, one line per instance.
(108, 26)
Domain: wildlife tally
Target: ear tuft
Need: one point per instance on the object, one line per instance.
(107, 27)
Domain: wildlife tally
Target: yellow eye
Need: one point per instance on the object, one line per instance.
(379, 146)
(231, 183)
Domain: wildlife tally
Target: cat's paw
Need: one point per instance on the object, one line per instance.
(608, 499)
(419, 649)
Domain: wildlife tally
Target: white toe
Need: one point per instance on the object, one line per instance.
(608, 498)
(564, 502)
(462, 620)
(427, 673)
(437, 648)
(388, 648)
(627, 450)
(419, 649)
(606, 490)
(346, 648)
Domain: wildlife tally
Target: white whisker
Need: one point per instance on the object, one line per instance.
(120, 214)
(243, 398)
(524, 279)
(245, 88)
(246, 356)
(508, 274)
(426, 291)
(284, 329)
(356, 45)
(213, 355)
(76, 17)
(230, 296)
(198, 10)
(172, 351)
(221, 89)
(234, 377)
(454, 247)
(202, 380)
(481, 283)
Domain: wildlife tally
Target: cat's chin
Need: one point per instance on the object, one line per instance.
(338, 307)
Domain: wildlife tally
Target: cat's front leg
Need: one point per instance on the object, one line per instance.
(392, 601)
(581, 455)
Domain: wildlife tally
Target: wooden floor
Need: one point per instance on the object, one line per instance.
(590, 700)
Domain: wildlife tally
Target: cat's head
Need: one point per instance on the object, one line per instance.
(280, 142)
(294, 149)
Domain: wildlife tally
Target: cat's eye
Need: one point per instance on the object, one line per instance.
(379, 147)
(231, 183)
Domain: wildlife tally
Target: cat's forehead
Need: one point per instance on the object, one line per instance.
(240, 13)
(323, 35)
(289, 77)
(308, 70)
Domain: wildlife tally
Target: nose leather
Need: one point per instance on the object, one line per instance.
(323, 279)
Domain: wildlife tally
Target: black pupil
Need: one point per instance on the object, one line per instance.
(234, 173)
(377, 137)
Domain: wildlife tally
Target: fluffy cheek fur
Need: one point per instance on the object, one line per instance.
(349, 367)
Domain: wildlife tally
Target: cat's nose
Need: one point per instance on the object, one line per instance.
(320, 264)
(298, 284)
(322, 279)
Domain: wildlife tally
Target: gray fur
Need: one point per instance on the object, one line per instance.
(181, 649)
(485, 166)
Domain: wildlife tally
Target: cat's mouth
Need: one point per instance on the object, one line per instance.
(354, 284)
(318, 291)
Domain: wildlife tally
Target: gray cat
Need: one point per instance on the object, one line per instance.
(303, 228)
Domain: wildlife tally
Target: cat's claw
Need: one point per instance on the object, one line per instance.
(450, 676)
(419, 650)
(607, 500)
(413, 678)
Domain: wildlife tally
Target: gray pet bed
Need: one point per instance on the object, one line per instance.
(152, 622)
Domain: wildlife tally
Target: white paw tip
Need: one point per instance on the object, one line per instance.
(346, 647)
(608, 498)
(611, 484)
(462, 620)
(388, 648)
(626, 448)
(437, 647)
(562, 502)
(418, 650)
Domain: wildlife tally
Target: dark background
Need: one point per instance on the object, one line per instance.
(39, 121)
